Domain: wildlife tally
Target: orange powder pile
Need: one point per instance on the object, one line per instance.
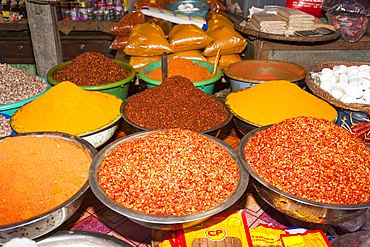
(39, 174)
(182, 67)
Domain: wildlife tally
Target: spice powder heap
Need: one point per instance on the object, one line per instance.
(182, 67)
(38, 174)
(169, 172)
(175, 103)
(91, 69)
(312, 158)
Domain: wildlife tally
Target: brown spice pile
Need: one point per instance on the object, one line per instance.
(175, 103)
(91, 69)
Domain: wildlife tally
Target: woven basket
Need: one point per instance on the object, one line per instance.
(318, 91)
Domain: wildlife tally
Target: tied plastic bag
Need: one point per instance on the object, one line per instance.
(127, 23)
(216, 20)
(185, 37)
(361, 7)
(192, 55)
(227, 39)
(147, 39)
(225, 60)
(352, 26)
(119, 43)
(138, 62)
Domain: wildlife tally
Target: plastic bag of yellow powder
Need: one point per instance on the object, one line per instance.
(147, 39)
(184, 37)
(271, 102)
(67, 108)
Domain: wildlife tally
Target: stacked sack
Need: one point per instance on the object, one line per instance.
(145, 38)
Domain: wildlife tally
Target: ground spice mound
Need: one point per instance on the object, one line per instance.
(312, 158)
(169, 172)
(38, 174)
(175, 103)
(182, 67)
(91, 69)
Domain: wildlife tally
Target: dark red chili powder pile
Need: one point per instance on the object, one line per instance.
(175, 103)
(91, 69)
(169, 172)
(314, 159)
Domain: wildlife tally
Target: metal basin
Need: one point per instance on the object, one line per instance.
(159, 221)
(294, 206)
(42, 224)
(213, 132)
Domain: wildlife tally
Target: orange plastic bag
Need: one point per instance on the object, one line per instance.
(184, 37)
(216, 20)
(138, 62)
(227, 39)
(119, 43)
(225, 60)
(127, 23)
(192, 55)
(147, 39)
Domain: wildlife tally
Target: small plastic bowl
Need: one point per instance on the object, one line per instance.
(118, 88)
(206, 86)
(203, 7)
(9, 109)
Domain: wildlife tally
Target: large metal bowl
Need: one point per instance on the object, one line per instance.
(159, 221)
(213, 132)
(46, 222)
(294, 206)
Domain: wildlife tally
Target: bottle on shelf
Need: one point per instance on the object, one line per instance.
(5, 8)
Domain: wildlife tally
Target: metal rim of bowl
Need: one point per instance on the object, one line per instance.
(56, 68)
(218, 75)
(228, 119)
(159, 219)
(64, 136)
(251, 172)
(229, 74)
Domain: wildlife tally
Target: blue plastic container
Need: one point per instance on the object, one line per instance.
(203, 7)
(206, 86)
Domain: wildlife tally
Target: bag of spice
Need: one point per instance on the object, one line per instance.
(216, 20)
(226, 39)
(225, 60)
(190, 55)
(127, 23)
(185, 37)
(137, 62)
(147, 39)
(119, 43)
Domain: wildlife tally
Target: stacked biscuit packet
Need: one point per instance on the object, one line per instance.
(282, 20)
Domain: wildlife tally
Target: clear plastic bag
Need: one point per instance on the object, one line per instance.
(361, 7)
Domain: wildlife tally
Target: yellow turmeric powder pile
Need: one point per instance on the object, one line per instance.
(273, 101)
(67, 108)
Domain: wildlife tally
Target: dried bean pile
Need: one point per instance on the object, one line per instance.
(169, 172)
(91, 69)
(16, 85)
(175, 103)
(313, 159)
(5, 128)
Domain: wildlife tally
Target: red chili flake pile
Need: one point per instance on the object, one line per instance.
(175, 103)
(312, 158)
(169, 172)
(91, 69)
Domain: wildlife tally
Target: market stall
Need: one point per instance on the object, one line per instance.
(174, 163)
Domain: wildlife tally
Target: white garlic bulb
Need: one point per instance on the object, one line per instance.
(337, 92)
(327, 85)
(354, 91)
